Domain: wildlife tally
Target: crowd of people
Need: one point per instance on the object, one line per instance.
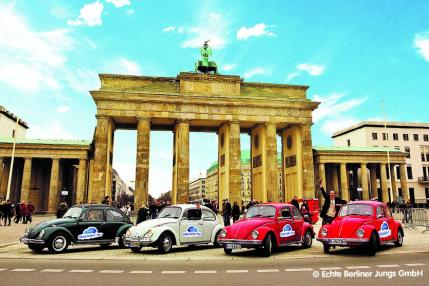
(21, 211)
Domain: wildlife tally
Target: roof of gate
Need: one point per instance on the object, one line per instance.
(9, 140)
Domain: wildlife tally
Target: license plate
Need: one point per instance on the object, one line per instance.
(232, 246)
(338, 241)
(134, 244)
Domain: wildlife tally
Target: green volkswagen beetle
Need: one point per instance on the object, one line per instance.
(81, 224)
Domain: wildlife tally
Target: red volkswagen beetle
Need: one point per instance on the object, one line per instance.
(362, 223)
(266, 226)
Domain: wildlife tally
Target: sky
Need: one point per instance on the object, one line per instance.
(352, 54)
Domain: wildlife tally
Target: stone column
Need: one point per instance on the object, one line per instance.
(404, 186)
(3, 178)
(272, 166)
(81, 182)
(54, 188)
(142, 162)
(344, 182)
(180, 190)
(307, 162)
(101, 160)
(373, 178)
(322, 174)
(26, 180)
(234, 163)
(335, 179)
(383, 180)
(364, 181)
(393, 180)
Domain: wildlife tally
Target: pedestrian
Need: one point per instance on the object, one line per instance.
(330, 206)
(305, 211)
(142, 214)
(106, 200)
(235, 212)
(227, 213)
(23, 207)
(29, 212)
(295, 202)
(2, 212)
(62, 209)
(17, 207)
(7, 212)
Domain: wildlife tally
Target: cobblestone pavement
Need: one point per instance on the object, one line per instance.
(10, 247)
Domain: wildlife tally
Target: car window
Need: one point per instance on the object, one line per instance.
(192, 214)
(380, 212)
(296, 213)
(94, 215)
(208, 215)
(112, 215)
(285, 213)
(170, 212)
(388, 213)
(261, 211)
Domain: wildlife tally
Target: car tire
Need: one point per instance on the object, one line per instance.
(307, 239)
(105, 245)
(36, 247)
(372, 245)
(165, 243)
(267, 246)
(227, 251)
(58, 243)
(400, 240)
(326, 248)
(135, 249)
(216, 242)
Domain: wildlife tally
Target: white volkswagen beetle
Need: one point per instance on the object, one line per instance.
(183, 224)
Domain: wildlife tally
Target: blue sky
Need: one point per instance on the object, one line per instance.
(352, 54)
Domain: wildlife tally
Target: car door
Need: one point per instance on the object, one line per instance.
(114, 220)
(285, 223)
(382, 225)
(91, 227)
(390, 220)
(298, 223)
(191, 226)
(208, 224)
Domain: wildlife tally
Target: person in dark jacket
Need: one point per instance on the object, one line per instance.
(227, 213)
(7, 212)
(295, 202)
(62, 209)
(17, 208)
(235, 212)
(142, 214)
(331, 205)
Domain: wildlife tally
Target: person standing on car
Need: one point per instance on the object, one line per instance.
(329, 209)
(227, 213)
(235, 212)
(142, 214)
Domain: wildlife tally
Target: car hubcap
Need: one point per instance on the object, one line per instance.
(166, 243)
(59, 243)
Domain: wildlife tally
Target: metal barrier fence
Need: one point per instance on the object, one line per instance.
(411, 218)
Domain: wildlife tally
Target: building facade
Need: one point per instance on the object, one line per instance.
(410, 138)
(197, 189)
(10, 125)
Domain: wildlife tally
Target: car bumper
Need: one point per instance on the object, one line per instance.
(136, 242)
(241, 242)
(27, 240)
(343, 241)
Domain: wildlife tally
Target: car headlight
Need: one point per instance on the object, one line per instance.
(128, 233)
(360, 233)
(222, 233)
(149, 234)
(254, 234)
(41, 234)
(324, 232)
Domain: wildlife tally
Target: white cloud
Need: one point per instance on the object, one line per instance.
(256, 71)
(314, 70)
(256, 31)
(421, 42)
(119, 3)
(228, 67)
(129, 67)
(169, 29)
(292, 75)
(90, 15)
(49, 131)
(63, 109)
(82, 81)
(333, 109)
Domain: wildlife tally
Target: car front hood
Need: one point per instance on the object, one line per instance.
(346, 226)
(57, 222)
(143, 227)
(242, 228)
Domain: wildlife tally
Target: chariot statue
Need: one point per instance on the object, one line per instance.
(204, 65)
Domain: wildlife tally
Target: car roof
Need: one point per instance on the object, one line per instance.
(189, 206)
(372, 203)
(93, 206)
(276, 205)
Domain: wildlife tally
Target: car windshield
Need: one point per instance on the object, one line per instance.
(73, 213)
(261, 211)
(172, 212)
(356, 209)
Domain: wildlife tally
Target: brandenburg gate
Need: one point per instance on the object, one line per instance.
(224, 104)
